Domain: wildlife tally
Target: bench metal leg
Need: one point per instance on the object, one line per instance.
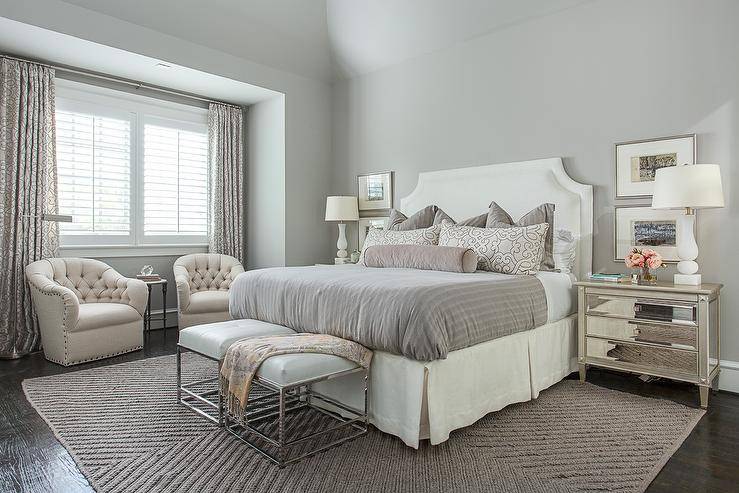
(220, 396)
(186, 395)
(179, 374)
(281, 426)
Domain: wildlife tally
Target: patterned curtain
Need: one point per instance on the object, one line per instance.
(226, 161)
(28, 185)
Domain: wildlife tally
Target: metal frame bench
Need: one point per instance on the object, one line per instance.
(282, 397)
(279, 400)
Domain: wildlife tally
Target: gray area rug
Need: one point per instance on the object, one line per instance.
(123, 427)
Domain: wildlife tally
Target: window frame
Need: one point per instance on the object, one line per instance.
(86, 98)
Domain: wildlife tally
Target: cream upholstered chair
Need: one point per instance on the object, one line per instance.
(203, 280)
(86, 310)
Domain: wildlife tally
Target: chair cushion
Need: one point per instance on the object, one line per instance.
(96, 315)
(287, 369)
(208, 301)
(214, 339)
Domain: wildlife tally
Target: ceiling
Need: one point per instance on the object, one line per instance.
(290, 35)
(326, 39)
(41, 44)
(368, 35)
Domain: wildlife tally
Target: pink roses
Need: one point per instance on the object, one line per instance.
(643, 258)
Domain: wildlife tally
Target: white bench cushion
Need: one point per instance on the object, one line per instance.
(214, 339)
(287, 369)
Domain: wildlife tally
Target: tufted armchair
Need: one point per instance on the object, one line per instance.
(203, 280)
(86, 310)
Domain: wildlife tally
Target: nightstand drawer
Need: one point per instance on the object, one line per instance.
(621, 329)
(644, 356)
(641, 308)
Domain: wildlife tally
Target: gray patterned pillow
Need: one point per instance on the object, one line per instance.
(510, 250)
(425, 236)
(499, 218)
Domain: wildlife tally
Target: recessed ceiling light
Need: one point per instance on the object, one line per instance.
(163, 65)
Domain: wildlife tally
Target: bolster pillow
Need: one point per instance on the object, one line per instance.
(425, 257)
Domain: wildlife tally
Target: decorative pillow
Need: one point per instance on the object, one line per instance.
(477, 221)
(512, 250)
(499, 218)
(425, 257)
(425, 218)
(425, 236)
(564, 251)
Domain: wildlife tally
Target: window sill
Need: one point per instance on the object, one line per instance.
(111, 251)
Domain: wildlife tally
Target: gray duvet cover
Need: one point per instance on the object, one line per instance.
(419, 314)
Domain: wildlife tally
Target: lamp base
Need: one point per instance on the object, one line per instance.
(690, 279)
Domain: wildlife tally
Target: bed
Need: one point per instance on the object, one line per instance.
(439, 376)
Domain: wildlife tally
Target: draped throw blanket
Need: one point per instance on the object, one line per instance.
(244, 357)
(226, 161)
(27, 191)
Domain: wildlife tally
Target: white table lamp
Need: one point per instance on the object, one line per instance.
(688, 187)
(342, 208)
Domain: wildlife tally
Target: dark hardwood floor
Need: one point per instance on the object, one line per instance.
(32, 460)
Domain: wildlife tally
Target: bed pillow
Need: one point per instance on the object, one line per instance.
(477, 221)
(512, 250)
(428, 216)
(424, 257)
(424, 236)
(564, 250)
(499, 218)
(425, 218)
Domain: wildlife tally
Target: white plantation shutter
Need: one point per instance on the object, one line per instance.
(175, 181)
(132, 170)
(94, 173)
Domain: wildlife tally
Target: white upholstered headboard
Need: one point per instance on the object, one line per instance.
(517, 187)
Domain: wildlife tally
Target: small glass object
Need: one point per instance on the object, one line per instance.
(647, 277)
(355, 256)
(147, 270)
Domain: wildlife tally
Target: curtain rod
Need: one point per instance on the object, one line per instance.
(120, 80)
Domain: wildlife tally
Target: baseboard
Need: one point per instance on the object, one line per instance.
(729, 379)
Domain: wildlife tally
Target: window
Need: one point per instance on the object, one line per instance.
(94, 173)
(175, 182)
(131, 171)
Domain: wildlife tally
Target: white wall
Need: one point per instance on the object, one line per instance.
(568, 84)
(265, 184)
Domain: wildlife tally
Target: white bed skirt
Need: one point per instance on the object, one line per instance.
(415, 400)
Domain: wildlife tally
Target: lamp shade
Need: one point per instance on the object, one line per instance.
(342, 208)
(697, 186)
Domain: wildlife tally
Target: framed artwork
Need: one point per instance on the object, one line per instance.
(644, 227)
(365, 223)
(637, 162)
(375, 191)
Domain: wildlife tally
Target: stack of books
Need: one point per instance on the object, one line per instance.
(606, 277)
(149, 278)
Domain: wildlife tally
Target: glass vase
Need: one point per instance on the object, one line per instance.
(647, 277)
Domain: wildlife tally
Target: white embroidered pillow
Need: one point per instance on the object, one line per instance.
(425, 236)
(516, 250)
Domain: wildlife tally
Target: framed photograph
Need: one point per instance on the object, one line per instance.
(365, 223)
(637, 162)
(375, 191)
(644, 227)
